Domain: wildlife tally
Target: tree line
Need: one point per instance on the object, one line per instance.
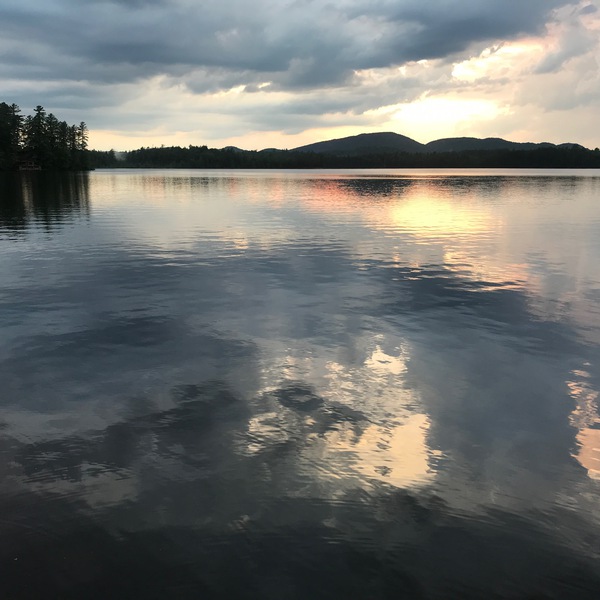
(41, 141)
(202, 157)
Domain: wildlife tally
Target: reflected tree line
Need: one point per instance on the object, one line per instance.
(45, 197)
(40, 141)
(199, 157)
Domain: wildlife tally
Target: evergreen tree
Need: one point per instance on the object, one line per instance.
(41, 140)
(36, 137)
(10, 134)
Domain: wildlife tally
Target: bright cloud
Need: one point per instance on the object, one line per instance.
(288, 72)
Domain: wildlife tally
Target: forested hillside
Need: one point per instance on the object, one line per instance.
(40, 141)
(202, 157)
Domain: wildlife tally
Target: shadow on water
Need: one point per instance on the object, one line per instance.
(42, 197)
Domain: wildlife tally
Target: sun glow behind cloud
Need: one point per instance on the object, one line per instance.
(436, 117)
(279, 75)
(498, 61)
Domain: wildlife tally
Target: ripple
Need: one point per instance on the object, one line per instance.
(356, 384)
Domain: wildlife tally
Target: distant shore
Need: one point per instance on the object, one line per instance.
(199, 157)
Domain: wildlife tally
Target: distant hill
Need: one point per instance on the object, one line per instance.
(462, 144)
(387, 143)
(365, 143)
(365, 151)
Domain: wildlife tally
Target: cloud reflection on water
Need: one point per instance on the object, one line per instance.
(302, 364)
(586, 418)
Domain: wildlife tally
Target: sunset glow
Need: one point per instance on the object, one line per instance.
(286, 74)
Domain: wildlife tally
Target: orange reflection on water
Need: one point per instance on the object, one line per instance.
(586, 419)
(416, 206)
(392, 445)
(396, 453)
(381, 362)
(589, 451)
(362, 423)
(422, 214)
(491, 269)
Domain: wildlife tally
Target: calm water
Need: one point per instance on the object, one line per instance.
(238, 384)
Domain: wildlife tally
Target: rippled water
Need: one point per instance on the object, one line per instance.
(238, 384)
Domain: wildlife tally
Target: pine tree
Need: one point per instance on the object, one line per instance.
(41, 140)
(10, 134)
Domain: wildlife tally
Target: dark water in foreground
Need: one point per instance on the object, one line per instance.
(300, 385)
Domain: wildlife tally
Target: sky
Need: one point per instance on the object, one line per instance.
(283, 73)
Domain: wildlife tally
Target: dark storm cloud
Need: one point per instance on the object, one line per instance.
(294, 44)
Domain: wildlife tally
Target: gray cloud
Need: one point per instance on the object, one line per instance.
(78, 60)
(575, 41)
(298, 44)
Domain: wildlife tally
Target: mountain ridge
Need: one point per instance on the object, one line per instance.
(390, 142)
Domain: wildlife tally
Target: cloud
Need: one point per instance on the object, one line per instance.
(573, 40)
(294, 65)
(299, 44)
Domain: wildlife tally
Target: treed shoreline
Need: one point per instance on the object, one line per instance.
(42, 142)
(202, 157)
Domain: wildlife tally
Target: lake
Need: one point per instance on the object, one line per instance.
(300, 384)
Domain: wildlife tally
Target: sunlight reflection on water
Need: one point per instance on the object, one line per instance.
(361, 383)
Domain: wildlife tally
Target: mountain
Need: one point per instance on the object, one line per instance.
(572, 146)
(365, 143)
(462, 144)
(389, 143)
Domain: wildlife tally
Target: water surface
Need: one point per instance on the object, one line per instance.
(304, 384)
